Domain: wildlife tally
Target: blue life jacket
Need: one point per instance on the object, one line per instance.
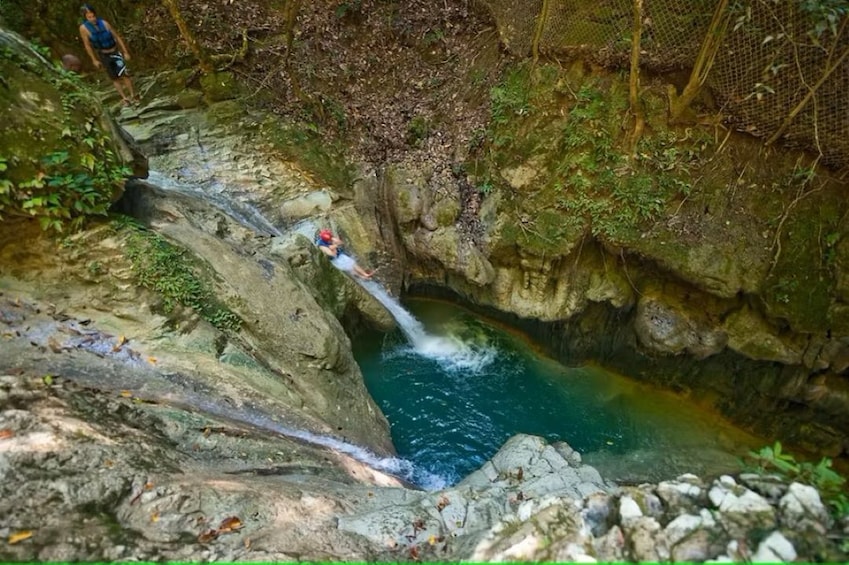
(321, 243)
(100, 37)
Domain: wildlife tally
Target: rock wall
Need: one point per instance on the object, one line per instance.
(698, 323)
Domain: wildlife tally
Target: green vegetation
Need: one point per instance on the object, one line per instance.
(820, 475)
(573, 138)
(800, 285)
(77, 173)
(417, 130)
(165, 269)
(354, 7)
(302, 143)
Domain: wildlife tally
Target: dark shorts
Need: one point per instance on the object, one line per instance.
(114, 64)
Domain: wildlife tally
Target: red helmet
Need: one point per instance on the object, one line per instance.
(325, 235)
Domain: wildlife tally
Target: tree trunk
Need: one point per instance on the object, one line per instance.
(634, 83)
(540, 26)
(194, 45)
(704, 62)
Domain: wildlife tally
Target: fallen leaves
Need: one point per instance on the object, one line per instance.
(19, 536)
(121, 341)
(6, 433)
(228, 525)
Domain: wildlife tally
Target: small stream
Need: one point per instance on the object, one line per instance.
(451, 411)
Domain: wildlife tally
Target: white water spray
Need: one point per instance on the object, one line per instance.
(452, 353)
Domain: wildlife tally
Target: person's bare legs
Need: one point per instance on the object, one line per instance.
(124, 86)
(362, 273)
(128, 85)
(119, 86)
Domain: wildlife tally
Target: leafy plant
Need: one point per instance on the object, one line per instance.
(164, 268)
(824, 15)
(485, 187)
(432, 37)
(348, 8)
(77, 175)
(819, 475)
(417, 130)
(510, 98)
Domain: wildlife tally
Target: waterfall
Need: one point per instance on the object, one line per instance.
(394, 466)
(243, 212)
(451, 352)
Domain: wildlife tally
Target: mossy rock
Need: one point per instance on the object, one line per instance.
(322, 159)
(220, 86)
(801, 287)
(60, 157)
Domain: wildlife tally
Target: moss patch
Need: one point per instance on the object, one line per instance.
(573, 132)
(219, 86)
(302, 143)
(166, 269)
(801, 285)
(58, 161)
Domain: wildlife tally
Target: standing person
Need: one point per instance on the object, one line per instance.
(101, 42)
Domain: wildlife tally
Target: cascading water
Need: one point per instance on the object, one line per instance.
(243, 212)
(437, 379)
(450, 352)
(449, 422)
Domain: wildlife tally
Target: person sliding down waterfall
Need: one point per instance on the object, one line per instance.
(332, 247)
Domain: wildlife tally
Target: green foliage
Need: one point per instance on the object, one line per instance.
(350, 7)
(417, 130)
(303, 143)
(800, 286)
(824, 15)
(818, 475)
(77, 173)
(572, 139)
(42, 50)
(62, 192)
(511, 97)
(616, 194)
(485, 187)
(164, 268)
(433, 37)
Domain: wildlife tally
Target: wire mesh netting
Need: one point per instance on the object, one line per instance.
(780, 72)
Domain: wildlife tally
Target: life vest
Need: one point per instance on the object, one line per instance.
(339, 249)
(100, 37)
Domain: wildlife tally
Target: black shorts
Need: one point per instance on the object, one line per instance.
(114, 64)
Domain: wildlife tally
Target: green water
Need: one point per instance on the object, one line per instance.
(448, 418)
